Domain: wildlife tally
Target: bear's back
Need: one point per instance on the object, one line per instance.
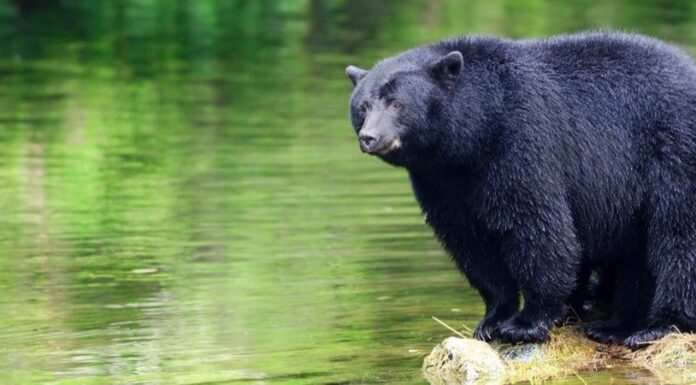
(607, 51)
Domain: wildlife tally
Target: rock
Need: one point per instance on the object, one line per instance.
(467, 362)
(463, 362)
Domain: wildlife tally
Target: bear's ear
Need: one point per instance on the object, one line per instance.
(448, 68)
(355, 74)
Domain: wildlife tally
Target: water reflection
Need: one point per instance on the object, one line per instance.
(183, 200)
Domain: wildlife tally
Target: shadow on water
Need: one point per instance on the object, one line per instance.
(183, 200)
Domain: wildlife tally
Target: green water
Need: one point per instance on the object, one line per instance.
(183, 201)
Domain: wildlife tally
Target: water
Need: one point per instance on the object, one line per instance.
(183, 200)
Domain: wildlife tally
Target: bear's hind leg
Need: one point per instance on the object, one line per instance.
(578, 306)
(629, 308)
(671, 253)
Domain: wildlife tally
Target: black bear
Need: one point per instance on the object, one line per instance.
(539, 161)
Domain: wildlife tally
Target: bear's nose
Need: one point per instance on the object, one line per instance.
(367, 142)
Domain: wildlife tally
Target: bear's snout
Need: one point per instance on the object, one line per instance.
(369, 143)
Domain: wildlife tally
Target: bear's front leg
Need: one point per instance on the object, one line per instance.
(500, 295)
(480, 261)
(496, 315)
(543, 256)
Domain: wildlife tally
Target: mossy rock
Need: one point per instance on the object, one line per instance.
(464, 361)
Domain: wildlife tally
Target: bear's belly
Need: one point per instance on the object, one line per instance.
(605, 212)
(607, 218)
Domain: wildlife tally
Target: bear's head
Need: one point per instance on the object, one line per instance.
(403, 108)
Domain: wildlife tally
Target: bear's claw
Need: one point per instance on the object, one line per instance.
(517, 330)
(487, 329)
(643, 338)
(485, 333)
(606, 332)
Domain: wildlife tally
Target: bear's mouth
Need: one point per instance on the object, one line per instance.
(394, 145)
(384, 148)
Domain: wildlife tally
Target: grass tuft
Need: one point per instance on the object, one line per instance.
(567, 353)
(671, 359)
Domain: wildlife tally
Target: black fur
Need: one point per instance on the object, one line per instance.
(536, 161)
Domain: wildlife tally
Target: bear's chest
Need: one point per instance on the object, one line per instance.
(445, 201)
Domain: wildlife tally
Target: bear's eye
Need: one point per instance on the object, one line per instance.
(363, 108)
(396, 105)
